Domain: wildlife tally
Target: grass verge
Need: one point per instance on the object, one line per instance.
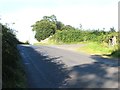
(92, 48)
(102, 49)
(115, 53)
(95, 48)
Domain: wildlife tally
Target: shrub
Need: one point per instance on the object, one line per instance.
(12, 73)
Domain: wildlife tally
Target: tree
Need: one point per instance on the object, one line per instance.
(51, 18)
(112, 29)
(45, 27)
(59, 25)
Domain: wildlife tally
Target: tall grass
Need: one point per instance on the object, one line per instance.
(97, 48)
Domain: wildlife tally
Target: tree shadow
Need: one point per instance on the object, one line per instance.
(52, 69)
(93, 75)
(109, 61)
(102, 73)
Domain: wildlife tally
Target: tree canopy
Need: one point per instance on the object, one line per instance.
(45, 27)
(49, 25)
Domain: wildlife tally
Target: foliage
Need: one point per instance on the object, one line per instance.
(74, 35)
(45, 27)
(116, 53)
(59, 25)
(49, 26)
(12, 74)
(66, 36)
(68, 27)
(96, 48)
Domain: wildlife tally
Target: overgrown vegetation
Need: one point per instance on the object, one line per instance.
(45, 27)
(12, 74)
(68, 34)
(97, 41)
(97, 48)
(71, 36)
(116, 53)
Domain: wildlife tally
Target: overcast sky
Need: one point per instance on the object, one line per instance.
(92, 14)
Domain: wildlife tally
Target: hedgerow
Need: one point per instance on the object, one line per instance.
(71, 36)
(12, 73)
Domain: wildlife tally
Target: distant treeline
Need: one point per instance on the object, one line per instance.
(50, 26)
(70, 36)
(12, 73)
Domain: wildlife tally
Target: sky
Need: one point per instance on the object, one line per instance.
(92, 14)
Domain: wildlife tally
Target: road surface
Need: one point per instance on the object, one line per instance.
(51, 67)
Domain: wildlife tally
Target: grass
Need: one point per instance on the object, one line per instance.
(96, 48)
(102, 49)
(92, 48)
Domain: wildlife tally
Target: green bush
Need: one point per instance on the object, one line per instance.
(68, 36)
(12, 73)
(116, 53)
(71, 36)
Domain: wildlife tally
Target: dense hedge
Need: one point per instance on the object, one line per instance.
(12, 71)
(67, 36)
(70, 36)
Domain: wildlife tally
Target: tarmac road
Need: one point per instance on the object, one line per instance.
(51, 67)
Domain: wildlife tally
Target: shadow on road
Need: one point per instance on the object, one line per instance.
(52, 69)
(108, 61)
(103, 73)
(93, 75)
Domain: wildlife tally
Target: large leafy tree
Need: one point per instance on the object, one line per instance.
(60, 26)
(45, 27)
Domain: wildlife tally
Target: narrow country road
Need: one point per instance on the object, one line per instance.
(51, 67)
